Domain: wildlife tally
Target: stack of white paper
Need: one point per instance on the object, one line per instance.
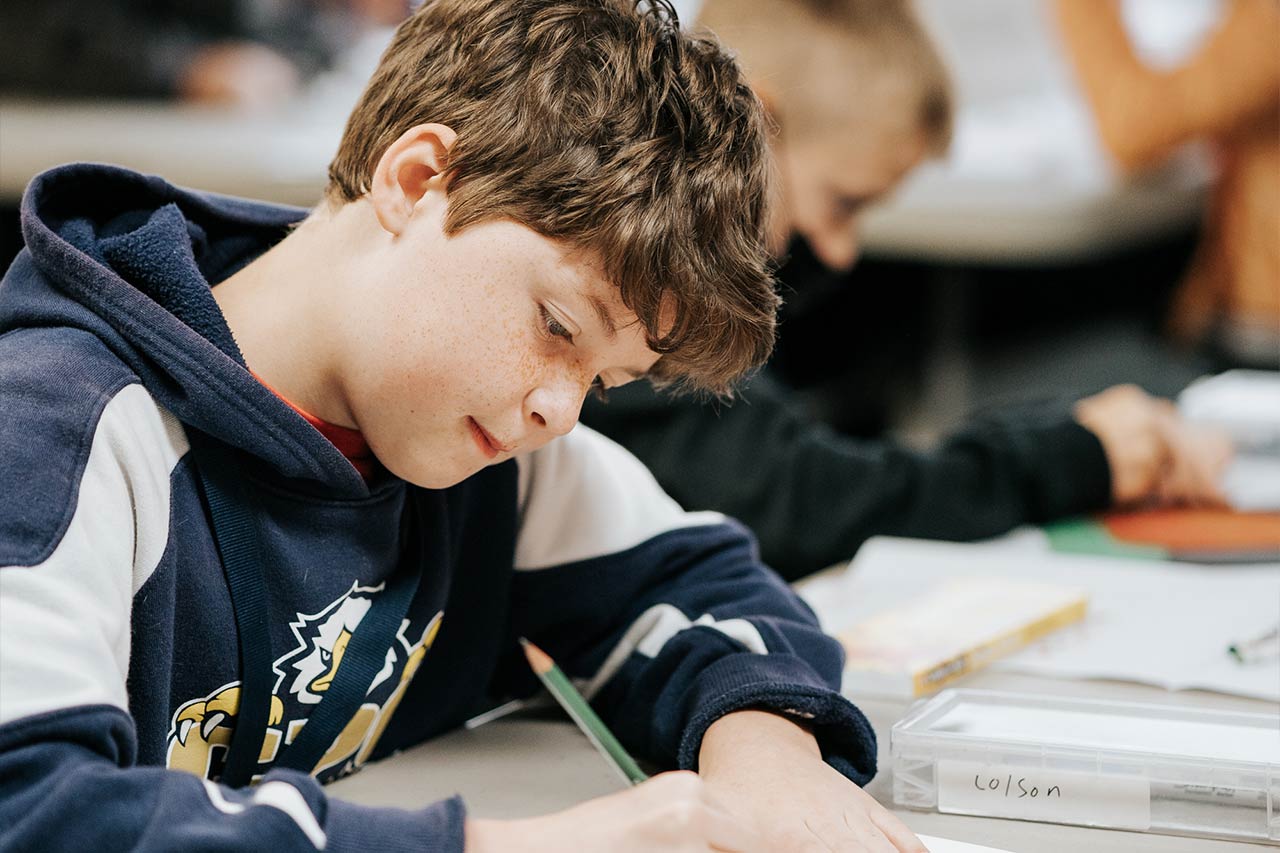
(1246, 404)
(946, 845)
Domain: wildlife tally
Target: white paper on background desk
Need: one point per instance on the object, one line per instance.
(1162, 623)
(946, 845)
(1246, 404)
(1251, 483)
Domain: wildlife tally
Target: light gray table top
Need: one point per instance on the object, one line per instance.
(520, 767)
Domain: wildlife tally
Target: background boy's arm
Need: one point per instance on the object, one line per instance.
(814, 496)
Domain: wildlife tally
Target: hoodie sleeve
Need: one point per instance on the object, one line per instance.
(69, 778)
(668, 619)
(814, 496)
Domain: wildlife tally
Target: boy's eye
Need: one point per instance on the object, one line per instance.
(848, 206)
(554, 327)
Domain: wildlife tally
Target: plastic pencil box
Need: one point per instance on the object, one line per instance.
(1118, 765)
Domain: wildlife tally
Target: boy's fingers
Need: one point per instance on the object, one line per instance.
(722, 830)
(863, 833)
(725, 832)
(1198, 458)
(899, 835)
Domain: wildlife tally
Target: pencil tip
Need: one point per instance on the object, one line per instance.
(538, 659)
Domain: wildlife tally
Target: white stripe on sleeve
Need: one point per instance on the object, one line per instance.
(276, 795)
(584, 496)
(655, 627)
(64, 623)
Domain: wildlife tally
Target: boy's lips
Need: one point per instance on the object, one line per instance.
(489, 445)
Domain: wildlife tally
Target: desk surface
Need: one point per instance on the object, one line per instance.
(520, 767)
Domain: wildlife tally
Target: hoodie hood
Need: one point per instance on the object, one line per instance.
(131, 259)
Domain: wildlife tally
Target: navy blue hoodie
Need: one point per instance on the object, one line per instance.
(119, 666)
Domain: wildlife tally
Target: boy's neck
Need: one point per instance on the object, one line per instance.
(281, 309)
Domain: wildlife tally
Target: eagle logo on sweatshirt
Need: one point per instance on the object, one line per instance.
(200, 729)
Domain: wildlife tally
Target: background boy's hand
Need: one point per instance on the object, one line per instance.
(670, 812)
(769, 772)
(1153, 454)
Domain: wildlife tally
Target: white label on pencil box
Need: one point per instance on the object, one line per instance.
(1055, 796)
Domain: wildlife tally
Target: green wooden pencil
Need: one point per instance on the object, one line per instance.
(592, 726)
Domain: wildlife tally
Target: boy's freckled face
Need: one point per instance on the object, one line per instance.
(480, 346)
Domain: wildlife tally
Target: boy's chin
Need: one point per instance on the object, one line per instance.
(432, 476)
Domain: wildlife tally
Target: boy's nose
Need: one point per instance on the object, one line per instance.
(556, 406)
(837, 249)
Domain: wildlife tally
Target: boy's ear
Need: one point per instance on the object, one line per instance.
(407, 170)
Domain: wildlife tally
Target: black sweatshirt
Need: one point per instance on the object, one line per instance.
(813, 496)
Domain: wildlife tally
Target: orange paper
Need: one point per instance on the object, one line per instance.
(1196, 529)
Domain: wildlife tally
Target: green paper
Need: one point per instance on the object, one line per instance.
(1090, 536)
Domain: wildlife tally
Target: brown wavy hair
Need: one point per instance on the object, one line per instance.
(600, 124)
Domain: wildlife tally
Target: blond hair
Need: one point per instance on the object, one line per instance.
(778, 40)
(600, 124)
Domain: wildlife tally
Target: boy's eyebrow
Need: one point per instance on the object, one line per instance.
(606, 320)
(859, 199)
(611, 331)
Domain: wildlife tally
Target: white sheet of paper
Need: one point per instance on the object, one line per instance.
(1167, 624)
(1251, 483)
(946, 845)
(1246, 403)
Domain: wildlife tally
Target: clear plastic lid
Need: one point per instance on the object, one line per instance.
(1161, 768)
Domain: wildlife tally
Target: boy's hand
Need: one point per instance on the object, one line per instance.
(1153, 454)
(769, 771)
(670, 812)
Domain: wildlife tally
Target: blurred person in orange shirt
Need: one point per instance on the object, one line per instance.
(1228, 94)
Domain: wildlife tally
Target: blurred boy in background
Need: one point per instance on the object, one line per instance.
(860, 97)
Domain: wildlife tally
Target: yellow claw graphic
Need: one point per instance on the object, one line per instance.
(226, 702)
(200, 726)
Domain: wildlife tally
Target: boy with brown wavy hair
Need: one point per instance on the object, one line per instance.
(279, 490)
(648, 157)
